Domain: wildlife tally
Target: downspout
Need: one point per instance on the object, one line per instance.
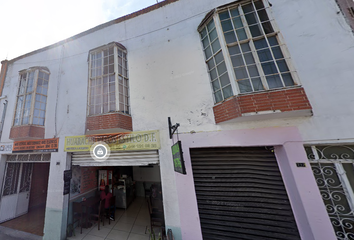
(3, 117)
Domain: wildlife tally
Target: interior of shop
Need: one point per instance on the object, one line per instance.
(137, 200)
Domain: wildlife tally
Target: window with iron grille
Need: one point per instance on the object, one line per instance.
(108, 80)
(32, 97)
(241, 42)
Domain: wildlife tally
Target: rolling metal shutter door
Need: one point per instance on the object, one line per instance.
(123, 158)
(241, 195)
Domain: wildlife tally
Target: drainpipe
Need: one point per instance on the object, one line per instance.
(3, 116)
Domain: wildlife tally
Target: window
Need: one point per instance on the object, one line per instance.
(255, 56)
(32, 97)
(108, 80)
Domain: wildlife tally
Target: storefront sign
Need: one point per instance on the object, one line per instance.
(144, 140)
(40, 145)
(178, 161)
(6, 148)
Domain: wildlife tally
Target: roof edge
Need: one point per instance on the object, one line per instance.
(101, 26)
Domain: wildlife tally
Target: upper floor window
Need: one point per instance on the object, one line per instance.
(32, 96)
(108, 80)
(241, 42)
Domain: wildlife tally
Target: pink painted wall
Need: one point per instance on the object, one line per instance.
(309, 211)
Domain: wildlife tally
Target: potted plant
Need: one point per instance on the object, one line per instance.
(70, 231)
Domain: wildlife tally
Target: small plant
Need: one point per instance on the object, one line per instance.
(70, 230)
(153, 236)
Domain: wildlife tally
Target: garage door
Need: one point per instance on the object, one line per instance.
(241, 195)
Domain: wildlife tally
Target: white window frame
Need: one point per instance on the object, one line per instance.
(250, 40)
(35, 71)
(121, 81)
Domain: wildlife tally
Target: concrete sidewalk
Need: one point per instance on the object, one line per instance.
(12, 234)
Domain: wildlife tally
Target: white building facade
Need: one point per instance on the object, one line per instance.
(261, 91)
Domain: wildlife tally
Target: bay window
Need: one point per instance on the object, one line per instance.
(244, 51)
(32, 97)
(108, 80)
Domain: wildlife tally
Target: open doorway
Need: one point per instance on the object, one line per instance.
(24, 196)
(134, 187)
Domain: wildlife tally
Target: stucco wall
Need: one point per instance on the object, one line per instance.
(168, 78)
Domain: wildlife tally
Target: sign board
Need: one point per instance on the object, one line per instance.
(6, 148)
(144, 140)
(300, 164)
(67, 178)
(178, 161)
(40, 145)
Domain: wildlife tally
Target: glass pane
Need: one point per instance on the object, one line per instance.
(235, 12)
(259, 4)
(244, 86)
(35, 121)
(26, 177)
(251, 18)
(218, 96)
(252, 69)
(226, 25)
(227, 92)
(264, 55)
(257, 84)
(213, 35)
(120, 88)
(261, 44)
(241, 73)
(234, 50)
(274, 81)
(277, 52)
(224, 15)
(97, 109)
(41, 114)
(230, 37)
(30, 82)
(221, 68)
(111, 87)
(36, 113)
(237, 60)
(273, 41)
(288, 80)
(224, 80)
(241, 34)
(263, 15)
(112, 107)
(245, 47)
(237, 22)
(205, 42)
(247, 8)
(41, 121)
(269, 68)
(210, 25)
(213, 74)
(282, 66)
(249, 58)
(255, 30)
(11, 179)
(112, 97)
(211, 64)
(208, 53)
(105, 107)
(267, 26)
(216, 85)
(219, 58)
(203, 33)
(215, 46)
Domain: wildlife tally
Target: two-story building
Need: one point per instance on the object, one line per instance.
(262, 92)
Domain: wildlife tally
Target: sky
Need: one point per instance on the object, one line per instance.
(28, 25)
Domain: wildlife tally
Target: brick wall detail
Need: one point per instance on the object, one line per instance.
(27, 132)
(108, 121)
(284, 100)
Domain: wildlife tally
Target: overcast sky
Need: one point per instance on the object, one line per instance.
(27, 25)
